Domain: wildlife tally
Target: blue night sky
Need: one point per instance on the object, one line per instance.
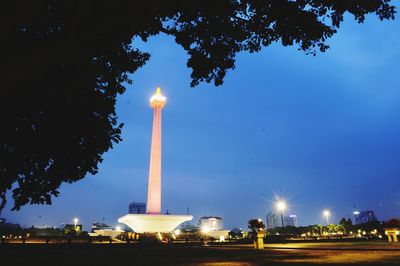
(320, 132)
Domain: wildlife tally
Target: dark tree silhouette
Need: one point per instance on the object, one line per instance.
(392, 223)
(255, 225)
(347, 224)
(64, 62)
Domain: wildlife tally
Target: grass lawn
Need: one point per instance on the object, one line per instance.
(123, 254)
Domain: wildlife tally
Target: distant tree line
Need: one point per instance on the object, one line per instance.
(344, 228)
(10, 230)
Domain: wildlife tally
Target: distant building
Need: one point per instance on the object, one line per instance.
(272, 220)
(290, 220)
(100, 226)
(44, 226)
(137, 208)
(211, 223)
(364, 217)
(188, 227)
(102, 229)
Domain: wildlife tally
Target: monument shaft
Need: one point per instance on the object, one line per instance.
(157, 102)
(154, 186)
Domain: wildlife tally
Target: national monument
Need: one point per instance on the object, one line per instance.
(153, 221)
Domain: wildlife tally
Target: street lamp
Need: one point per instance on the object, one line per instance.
(177, 232)
(326, 213)
(76, 220)
(281, 206)
(205, 229)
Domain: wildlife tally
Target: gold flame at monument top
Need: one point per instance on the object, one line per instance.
(158, 100)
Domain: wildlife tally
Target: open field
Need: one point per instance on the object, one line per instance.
(226, 254)
(357, 245)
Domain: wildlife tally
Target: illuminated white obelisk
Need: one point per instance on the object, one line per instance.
(157, 102)
(154, 221)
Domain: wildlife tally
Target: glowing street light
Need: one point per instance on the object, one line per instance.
(177, 232)
(281, 206)
(326, 213)
(205, 229)
(76, 220)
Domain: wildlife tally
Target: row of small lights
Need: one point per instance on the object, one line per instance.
(281, 206)
(76, 221)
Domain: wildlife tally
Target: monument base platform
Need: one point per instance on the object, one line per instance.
(153, 223)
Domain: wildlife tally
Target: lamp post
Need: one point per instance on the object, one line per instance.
(326, 213)
(76, 220)
(281, 206)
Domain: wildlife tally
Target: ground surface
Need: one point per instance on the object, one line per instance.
(227, 254)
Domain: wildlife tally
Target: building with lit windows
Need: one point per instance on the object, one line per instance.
(137, 208)
(211, 223)
(212, 227)
(290, 220)
(272, 220)
(362, 217)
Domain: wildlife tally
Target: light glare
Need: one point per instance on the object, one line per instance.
(281, 205)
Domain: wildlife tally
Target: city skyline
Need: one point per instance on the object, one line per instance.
(230, 151)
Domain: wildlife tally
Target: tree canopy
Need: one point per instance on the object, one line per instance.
(63, 63)
(256, 225)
